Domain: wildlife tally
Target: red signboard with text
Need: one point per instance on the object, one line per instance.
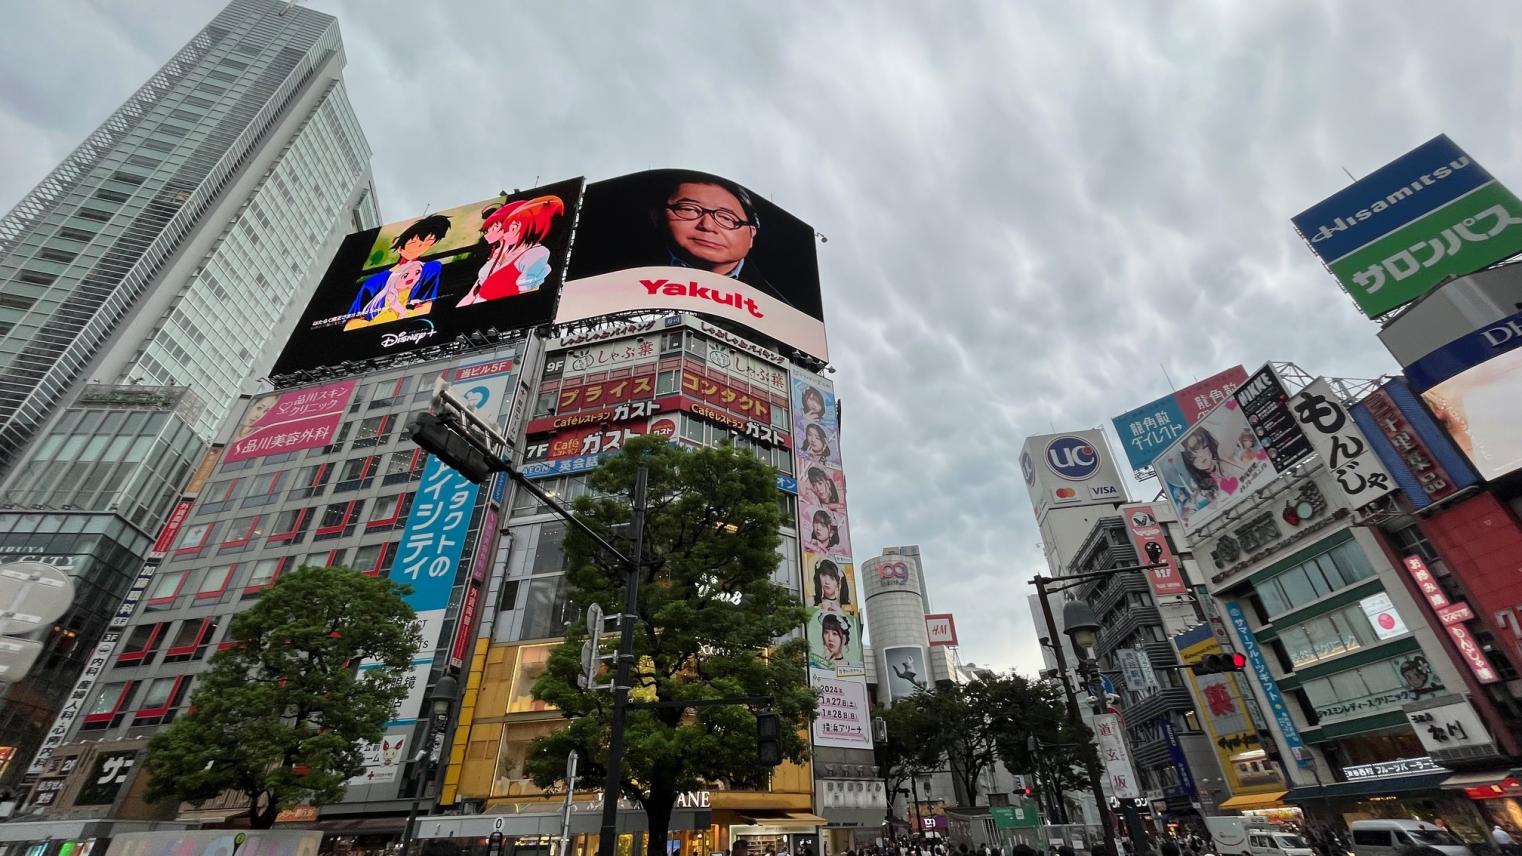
(1152, 548)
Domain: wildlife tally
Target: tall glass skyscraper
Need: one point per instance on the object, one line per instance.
(142, 283)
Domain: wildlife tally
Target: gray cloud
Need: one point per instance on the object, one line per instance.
(1031, 208)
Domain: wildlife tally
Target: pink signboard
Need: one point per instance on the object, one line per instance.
(290, 421)
(1152, 549)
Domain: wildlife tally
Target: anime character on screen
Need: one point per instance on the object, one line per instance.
(830, 589)
(1212, 473)
(408, 288)
(518, 263)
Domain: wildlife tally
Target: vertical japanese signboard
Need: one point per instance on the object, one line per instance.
(837, 662)
(428, 559)
(1418, 457)
(94, 666)
(1259, 665)
(1119, 772)
(1452, 615)
(1334, 436)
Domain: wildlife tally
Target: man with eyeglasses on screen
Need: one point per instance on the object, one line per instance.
(711, 224)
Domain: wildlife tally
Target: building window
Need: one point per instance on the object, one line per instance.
(549, 550)
(263, 489)
(388, 393)
(546, 611)
(373, 431)
(194, 539)
(668, 382)
(240, 534)
(192, 640)
(338, 520)
(215, 583)
(166, 587)
(1314, 579)
(162, 695)
(509, 598)
(1379, 687)
(140, 644)
(404, 466)
(356, 473)
(310, 481)
(219, 496)
(263, 574)
(112, 698)
(290, 526)
(532, 662)
(370, 559)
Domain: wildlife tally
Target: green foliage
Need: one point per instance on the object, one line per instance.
(280, 715)
(910, 751)
(709, 616)
(955, 722)
(1036, 708)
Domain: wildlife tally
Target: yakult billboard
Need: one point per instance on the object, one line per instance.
(680, 241)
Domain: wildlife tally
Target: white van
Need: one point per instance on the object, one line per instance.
(1273, 842)
(1386, 837)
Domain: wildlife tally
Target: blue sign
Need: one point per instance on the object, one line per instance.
(787, 484)
(1149, 429)
(1072, 458)
(1176, 755)
(429, 553)
(561, 467)
(1417, 183)
(1466, 352)
(1267, 682)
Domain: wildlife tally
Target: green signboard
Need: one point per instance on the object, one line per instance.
(1015, 816)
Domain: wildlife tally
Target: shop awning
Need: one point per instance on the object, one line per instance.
(1269, 800)
(1458, 781)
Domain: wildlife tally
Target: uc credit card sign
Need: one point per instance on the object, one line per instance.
(1428, 216)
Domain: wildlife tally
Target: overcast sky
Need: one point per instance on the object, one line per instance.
(1031, 207)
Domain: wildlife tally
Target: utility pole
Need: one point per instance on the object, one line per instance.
(1075, 716)
(613, 784)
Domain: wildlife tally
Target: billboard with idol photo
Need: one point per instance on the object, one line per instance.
(494, 265)
(672, 240)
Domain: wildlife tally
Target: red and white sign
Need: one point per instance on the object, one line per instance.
(171, 529)
(737, 401)
(1455, 613)
(1452, 615)
(1469, 649)
(1151, 544)
(1431, 590)
(942, 629)
(494, 367)
(1435, 481)
(289, 422)
(465, 627)
(700, 291)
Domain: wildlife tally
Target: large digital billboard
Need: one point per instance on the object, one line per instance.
(674, 240)
(1481, 409)
(497, 265)
(1428, 216)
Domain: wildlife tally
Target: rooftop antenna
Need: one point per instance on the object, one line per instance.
(1349, 175)
(1171, 385)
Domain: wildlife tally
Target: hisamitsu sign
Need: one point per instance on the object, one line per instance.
(1428, 216)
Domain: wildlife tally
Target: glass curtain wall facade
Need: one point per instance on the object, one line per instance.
(161, 259)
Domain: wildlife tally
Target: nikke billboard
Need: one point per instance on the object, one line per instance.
(1430, 215)
(674, 240)
(1147, 430)
(495, 265)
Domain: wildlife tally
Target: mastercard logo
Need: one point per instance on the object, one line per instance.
(1066, 493)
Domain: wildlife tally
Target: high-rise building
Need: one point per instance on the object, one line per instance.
(145, 280)
(726, 353)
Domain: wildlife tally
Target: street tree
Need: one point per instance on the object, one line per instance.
(956, 722)
(281, 714)
(709, 625)
(905, 755)
(1035, 709)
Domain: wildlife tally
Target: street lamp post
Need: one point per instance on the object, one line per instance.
(1081, 625)
(1075, 717)
(427, 758)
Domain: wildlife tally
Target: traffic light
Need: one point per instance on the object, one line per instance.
(450, 446)
(768, 739)
(1215, 664)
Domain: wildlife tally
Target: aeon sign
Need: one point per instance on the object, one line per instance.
(1072, 458)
